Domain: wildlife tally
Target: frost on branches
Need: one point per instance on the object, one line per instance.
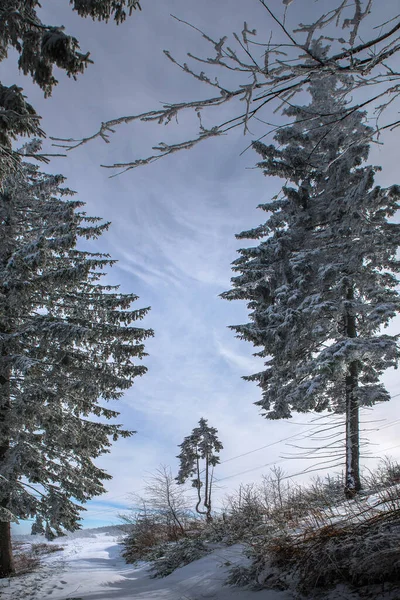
(68, 344)
(321, 282)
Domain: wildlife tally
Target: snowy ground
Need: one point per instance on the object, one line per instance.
(91, 568)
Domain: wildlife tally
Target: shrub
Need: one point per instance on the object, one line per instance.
(25, 562)
(357, 554)
(145, 534)
(43, 549)
(387, 474)
(313, 538)
(178, 554)
(27, 556)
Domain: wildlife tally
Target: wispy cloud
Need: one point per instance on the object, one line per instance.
(238, 359)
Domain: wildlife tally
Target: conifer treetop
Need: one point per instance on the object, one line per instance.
(41, 47)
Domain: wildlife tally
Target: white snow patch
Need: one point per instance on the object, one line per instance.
(91, 568)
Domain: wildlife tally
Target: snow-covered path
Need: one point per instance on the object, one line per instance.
(91, 568)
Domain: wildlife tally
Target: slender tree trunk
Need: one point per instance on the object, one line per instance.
(353, 480)
(209, 517)
(206, 486)
(207, 499)
(172, 510)
(200, 512)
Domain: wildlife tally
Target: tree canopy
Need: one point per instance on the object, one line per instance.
(201, 445)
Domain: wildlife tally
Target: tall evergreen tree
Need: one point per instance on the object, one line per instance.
(201, 445)
(321, 282)
(68, 344)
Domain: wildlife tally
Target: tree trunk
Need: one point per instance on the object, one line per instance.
(353, 481)
(352, 477)
(6, 557)
(172, 510)
(200, 512)
(209, 517)
(206, 485)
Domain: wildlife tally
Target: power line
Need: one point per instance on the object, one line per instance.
(283, 459)
(311, 427)
(290, 437)
(249, 470)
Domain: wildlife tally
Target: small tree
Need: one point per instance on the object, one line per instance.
(201, 445)
(321, 283)
(168, 501)
(160, 515)
(67, 346)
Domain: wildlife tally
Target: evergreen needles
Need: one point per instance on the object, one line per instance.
(321, 283)
(68, 344)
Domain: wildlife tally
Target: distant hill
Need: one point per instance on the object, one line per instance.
(112, 530)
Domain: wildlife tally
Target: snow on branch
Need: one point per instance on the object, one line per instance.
(285, 68)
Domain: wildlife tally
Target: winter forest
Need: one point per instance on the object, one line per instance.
(199, 234)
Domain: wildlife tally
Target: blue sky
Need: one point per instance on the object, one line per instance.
(173, 228)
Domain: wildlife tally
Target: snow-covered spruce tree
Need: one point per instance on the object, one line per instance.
(321, 282)
(68, 344)
(201, 445)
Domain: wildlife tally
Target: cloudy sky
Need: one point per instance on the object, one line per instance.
(173, 228)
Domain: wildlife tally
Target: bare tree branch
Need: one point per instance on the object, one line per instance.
(285, 69)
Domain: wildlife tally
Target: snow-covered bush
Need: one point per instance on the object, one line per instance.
(244, 513)
(179, 554)
(146, 534)
(352, 542)
(150, 537)
(359, 555)
(257, 511)
(387, 473)
(258, 575)
(161, 515)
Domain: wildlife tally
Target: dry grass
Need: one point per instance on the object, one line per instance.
(27, 557)
(360, 548)
(312, 539)
(43, 548)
